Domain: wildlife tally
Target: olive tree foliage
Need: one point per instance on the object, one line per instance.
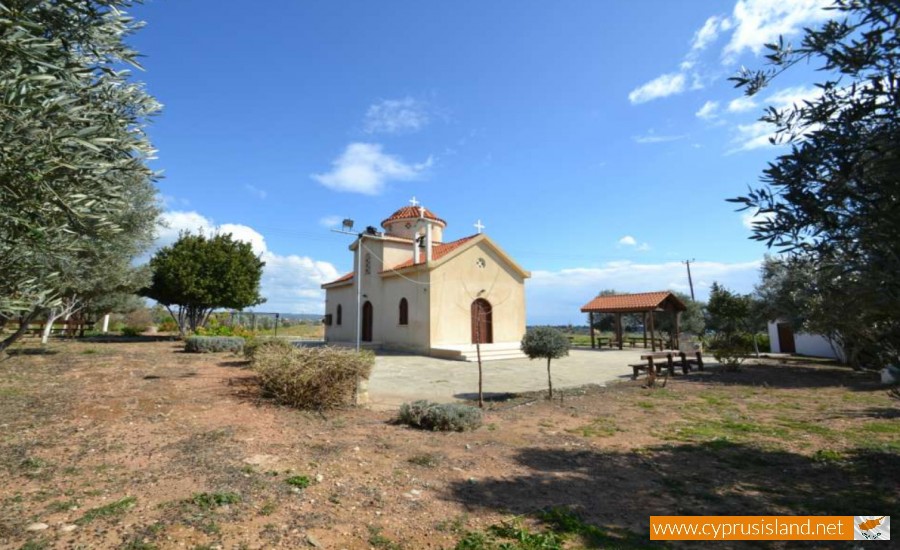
(830, 203)
(199, 274)
(545, 343)
(73, 151)
(692, 320)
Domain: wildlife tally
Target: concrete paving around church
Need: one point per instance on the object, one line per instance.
(400, 378)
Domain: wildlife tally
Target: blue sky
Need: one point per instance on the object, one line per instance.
(597, 141)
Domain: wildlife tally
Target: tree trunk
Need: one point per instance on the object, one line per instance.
(549, 379)
(48, 325)
(480, 392)
(23, 326)
(756, 345)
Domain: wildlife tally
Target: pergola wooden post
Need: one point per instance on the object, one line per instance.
(677, 330)
(652, 333)
(644, 325)
(619, 332)
(591, 321)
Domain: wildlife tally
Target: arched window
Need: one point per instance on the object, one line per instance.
(339, 314)
(404, 311)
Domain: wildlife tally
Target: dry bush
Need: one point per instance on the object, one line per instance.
(311, 378)
(255, 344)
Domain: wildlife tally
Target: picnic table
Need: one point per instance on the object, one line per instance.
(669, 356)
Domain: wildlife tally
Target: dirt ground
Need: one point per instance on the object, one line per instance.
(139, 445)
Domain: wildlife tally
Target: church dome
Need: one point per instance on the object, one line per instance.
(411, 213)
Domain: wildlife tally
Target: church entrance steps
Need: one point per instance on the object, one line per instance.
(489, 352)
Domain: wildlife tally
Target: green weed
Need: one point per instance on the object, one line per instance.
(208, 501)
(110, 510)
(298, 481)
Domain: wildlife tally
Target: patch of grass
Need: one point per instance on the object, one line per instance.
(377, 540)
(113, 509)
(890, 427)
(806, 427)
(599, 427)
(34, 463)
(725, 429)
(137, 544)
(298, 481)
(208, 501)
(456, 525)
(268, 508)
(61, 506)
(35, 545)
(826, 456)
(8, 392)
(648, 405)
(89, 351)
(426, 460)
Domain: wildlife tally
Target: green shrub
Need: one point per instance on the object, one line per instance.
(255, 344)
(129, 330)
(440, 417)
(731, 350)
(169, 325)
(298, 481)
(212, 344)
(311, 378)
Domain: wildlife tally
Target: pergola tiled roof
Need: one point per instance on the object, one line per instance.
(645, 302)
(411, 213)
(634, 303)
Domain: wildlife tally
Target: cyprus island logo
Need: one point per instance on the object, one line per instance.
(871, 527)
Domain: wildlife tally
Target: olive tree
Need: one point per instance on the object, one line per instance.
(830, 203)
(545, 343)
(199, 274)
(72, 143)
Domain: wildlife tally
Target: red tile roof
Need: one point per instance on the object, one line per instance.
(341, 279)
(411, 213)
(438, 251)
(624, 303)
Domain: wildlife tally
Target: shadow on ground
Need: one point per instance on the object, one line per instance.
(787, 375)
(618, 491)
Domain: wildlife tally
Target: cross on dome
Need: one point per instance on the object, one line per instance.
(479, 226)
(414, 202)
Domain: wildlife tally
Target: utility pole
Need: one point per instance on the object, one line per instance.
(690, 280)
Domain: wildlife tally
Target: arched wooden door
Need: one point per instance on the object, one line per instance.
(368, 317)
(482, 322)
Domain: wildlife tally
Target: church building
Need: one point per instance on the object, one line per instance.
(422, 293)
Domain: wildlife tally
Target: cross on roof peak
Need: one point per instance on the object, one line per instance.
(414, 202)
(479, 226)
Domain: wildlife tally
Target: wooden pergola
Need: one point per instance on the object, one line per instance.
(646, 303)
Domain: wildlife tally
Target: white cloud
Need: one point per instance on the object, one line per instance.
(628, 240)
(709, 32)
(253, 190)
(652, 137)
(750, 219)
(709, 110)
(556, 296)
(661, 86)
(788, 97)
(364, 168)
(331, 221)
(172, 223)
(396, 116)
(289, 283)
(741, 104)
(753, 136)
(760, 22)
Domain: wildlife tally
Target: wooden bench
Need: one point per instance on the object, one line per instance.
(669, 356)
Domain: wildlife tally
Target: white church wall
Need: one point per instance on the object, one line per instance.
(813, 345)
(457, 283)
(345, 296)
(414, 335)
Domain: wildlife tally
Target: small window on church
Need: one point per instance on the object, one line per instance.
(339, 316)
(368, 264)
(480, 263)
(404, 311)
